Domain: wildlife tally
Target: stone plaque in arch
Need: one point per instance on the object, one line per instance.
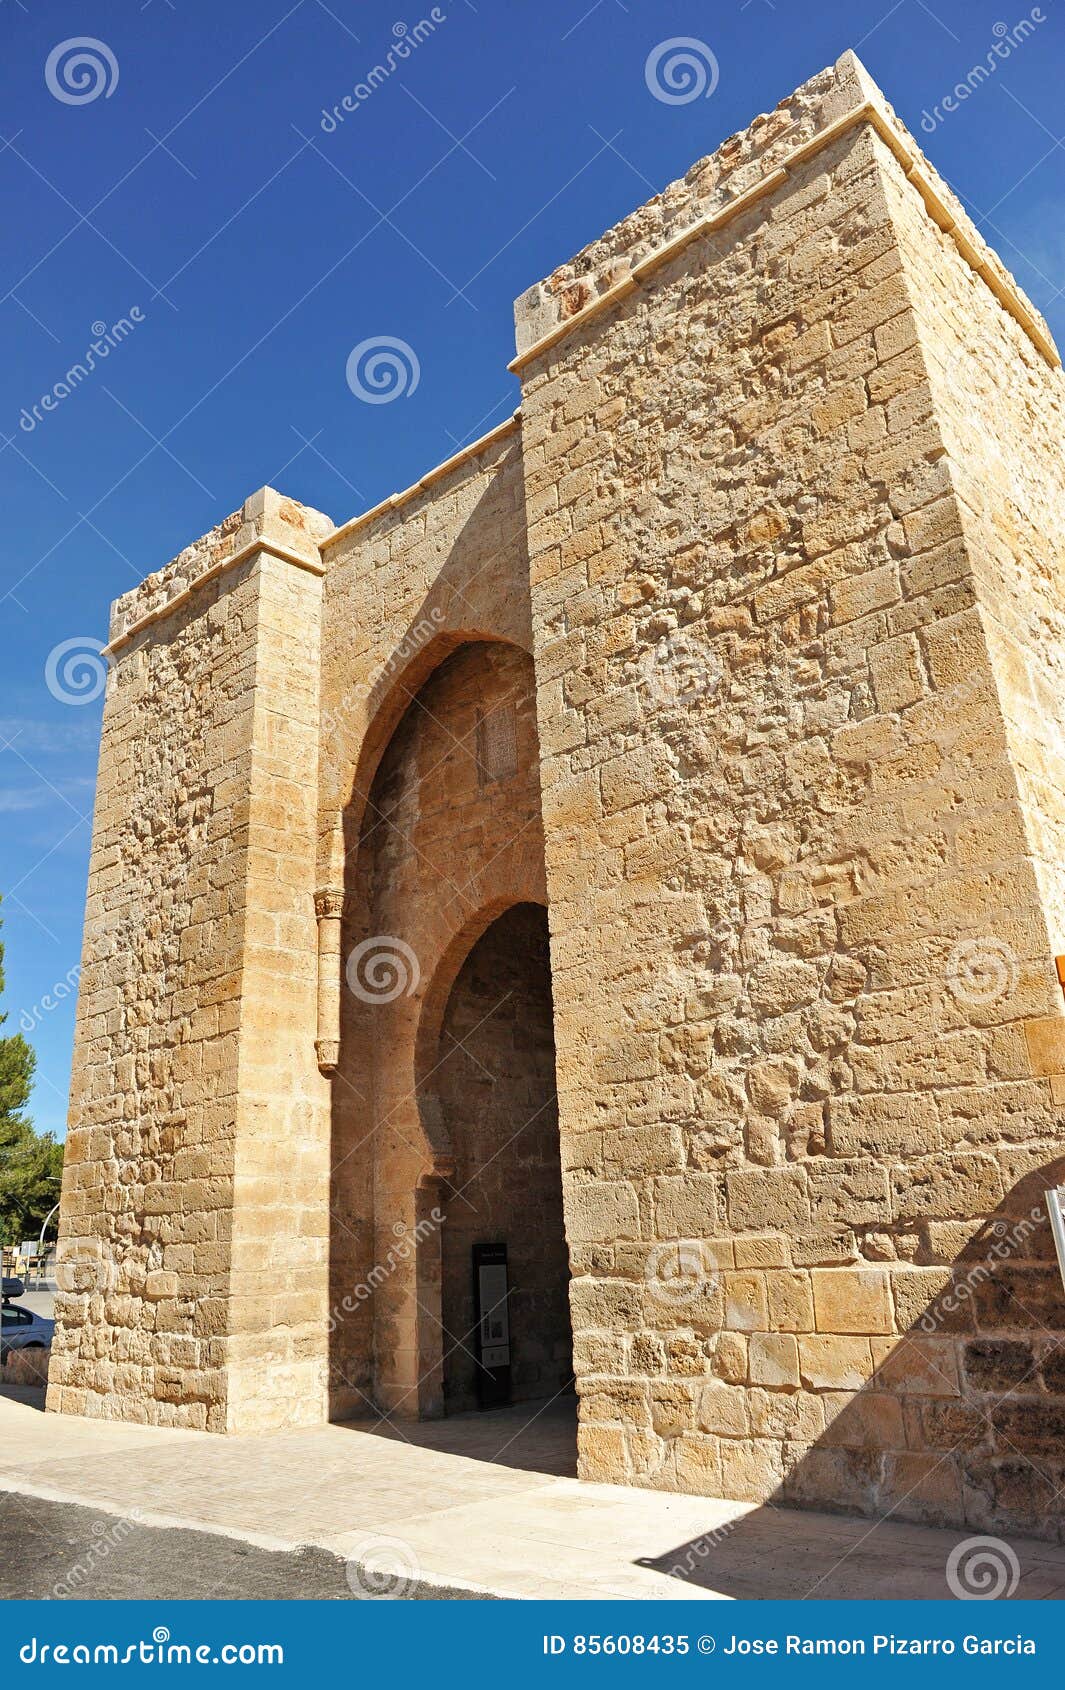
(497, 743)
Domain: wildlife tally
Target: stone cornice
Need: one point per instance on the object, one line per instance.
(500, 432)
(266, 522)
(1001, 285)
(745, 170)
(175, 602)
(126, 628)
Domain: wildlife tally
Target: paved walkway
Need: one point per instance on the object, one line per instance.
(479, 1504)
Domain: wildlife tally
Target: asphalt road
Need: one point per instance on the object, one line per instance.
(59, 1551)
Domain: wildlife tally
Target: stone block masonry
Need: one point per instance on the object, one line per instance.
(198, 1144)
(740, 648)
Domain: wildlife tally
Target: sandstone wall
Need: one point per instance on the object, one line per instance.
(425, 675)
(998, 406)
(192, 1253)
(753, 630)
(775, 827)
(406, 584)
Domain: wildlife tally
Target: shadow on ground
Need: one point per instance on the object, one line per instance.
(532, 1437)
(56, 1551)
(790, 1554)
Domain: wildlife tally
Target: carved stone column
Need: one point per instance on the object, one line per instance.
(329, 908)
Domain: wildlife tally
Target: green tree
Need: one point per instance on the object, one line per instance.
(30, 1162)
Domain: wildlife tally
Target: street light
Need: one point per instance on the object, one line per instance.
(44, 1225)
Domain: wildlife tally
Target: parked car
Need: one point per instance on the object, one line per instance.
(21, 1329)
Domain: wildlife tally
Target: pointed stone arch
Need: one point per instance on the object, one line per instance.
(435, 847)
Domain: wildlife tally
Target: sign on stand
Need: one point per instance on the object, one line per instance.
(1055, 1201)
(490, 1291)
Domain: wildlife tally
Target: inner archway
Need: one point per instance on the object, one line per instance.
(443, 838)
(495, 1081)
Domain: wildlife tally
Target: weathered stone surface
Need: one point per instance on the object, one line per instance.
(743, 651)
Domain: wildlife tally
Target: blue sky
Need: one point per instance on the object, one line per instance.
(250, 250)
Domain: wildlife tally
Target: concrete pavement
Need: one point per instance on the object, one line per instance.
(477, 1505)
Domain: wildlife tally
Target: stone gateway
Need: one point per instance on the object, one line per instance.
(641, 843)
